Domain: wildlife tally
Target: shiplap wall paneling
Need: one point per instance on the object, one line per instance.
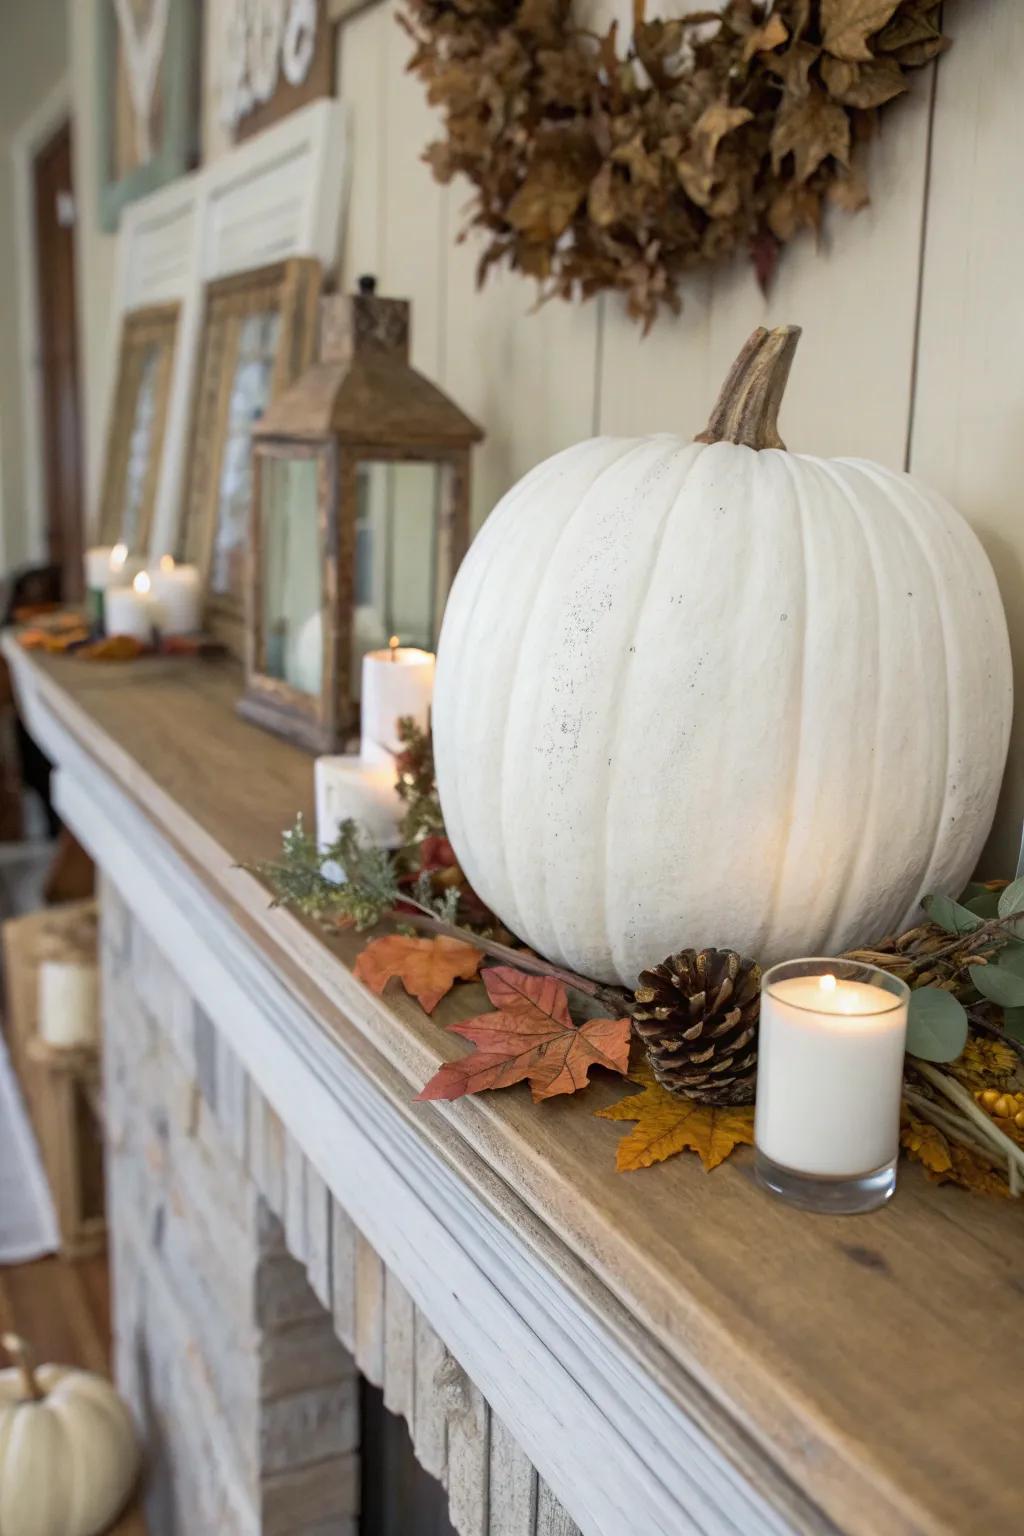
(361, 74)
(968, 427)
(416, 227)
(529, 377)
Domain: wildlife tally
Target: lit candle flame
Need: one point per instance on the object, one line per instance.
(141, 584)
(393, 645)
(167, 562)
(118, 556)
(827, 983)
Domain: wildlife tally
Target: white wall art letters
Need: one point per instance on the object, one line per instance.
(263, 41)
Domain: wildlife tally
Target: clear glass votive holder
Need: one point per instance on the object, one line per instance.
(829, 1080)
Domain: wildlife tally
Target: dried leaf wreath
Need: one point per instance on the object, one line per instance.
(713, 133)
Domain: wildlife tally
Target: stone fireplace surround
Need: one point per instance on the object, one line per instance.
(247, 1300)
(284, 1216)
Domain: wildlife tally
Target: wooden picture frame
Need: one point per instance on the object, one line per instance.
(170, 134)
(138, 422)
(258, 334)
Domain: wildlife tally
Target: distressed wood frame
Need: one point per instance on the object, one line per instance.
(292, 289)
(158, 323)
(179, 73)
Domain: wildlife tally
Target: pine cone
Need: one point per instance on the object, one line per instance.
(697, 1016)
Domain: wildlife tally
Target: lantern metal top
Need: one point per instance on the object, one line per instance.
(364, 391)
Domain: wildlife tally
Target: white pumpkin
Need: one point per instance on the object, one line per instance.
(715, 693)
(68, 1452)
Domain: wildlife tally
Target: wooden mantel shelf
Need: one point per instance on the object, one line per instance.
(676, 1352)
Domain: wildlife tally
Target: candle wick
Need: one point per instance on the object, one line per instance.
(393, 644)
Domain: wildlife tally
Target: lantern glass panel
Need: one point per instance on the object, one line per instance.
(398, 518)
(290, 586)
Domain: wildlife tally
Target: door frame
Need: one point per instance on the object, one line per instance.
(32, 136)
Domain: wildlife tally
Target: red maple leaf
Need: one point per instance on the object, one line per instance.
(530, 1036)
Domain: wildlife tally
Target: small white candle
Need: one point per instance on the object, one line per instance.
(106, 565)
(830, 1072)
(396, 682)
(68, 1003)
(130, 610)
(177, 597)
(351, 789)
(100, 569)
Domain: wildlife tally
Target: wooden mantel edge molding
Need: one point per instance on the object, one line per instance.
(628, 1439)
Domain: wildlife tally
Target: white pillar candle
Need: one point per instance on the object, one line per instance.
(130, 610)
(68, 1003)
(177, 596)
(396, 682)
(830, 1069)
(350, 789)
(99, 567)
(106, 565)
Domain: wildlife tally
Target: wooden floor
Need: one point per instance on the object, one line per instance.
(63, 1309)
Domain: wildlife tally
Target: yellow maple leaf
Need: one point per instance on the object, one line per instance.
(926, 1144)
(667, 1124)
(947, 1162)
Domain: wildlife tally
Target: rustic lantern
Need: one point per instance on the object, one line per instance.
(360, 516)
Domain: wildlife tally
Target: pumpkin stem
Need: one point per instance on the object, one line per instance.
(20, 1353)
(747, 410)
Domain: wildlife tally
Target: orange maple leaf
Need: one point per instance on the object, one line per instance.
(427, 968)
(530, 1036)
(667, 1124)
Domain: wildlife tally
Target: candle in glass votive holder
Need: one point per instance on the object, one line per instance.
(829, 1080)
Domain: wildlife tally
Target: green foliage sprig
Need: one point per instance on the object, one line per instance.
(349, 883)
(415, 784)
(965, 967)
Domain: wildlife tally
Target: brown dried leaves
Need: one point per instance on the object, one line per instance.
(600, 169)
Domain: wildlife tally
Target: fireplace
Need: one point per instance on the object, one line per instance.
(284, 1379)
(397, 1497)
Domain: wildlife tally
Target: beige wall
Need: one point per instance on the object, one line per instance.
(33, 61)
(912, 311)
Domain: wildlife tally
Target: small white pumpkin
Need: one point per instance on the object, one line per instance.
(69, 1456)
(715, 693)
